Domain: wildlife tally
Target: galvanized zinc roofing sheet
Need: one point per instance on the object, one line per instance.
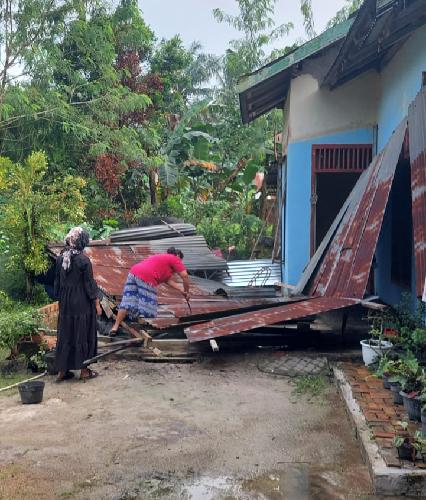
(259, 272)
(417, 139)
(146, 233)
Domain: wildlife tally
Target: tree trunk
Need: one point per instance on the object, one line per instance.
(152, 187)
(30, 286)
(240, 166)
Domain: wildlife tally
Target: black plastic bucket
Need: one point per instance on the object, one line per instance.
(50, 358)
(423, 419)
(412, 406)
(406, 452)
(386, 383)
(395, 388)
(31, 392)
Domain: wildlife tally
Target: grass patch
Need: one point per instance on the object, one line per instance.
(311, 386)
(13, 378)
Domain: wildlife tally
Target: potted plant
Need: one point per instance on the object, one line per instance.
(375, 347)
(403, 444)
(423, 409)
(411, 395)
(409, 446)
(411, 378)
(383, 370)
(396, 377)
(405, 380)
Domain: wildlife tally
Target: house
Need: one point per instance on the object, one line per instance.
(344, 95)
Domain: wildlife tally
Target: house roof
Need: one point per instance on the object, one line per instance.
(267, 87)
(378, 32)
(367, 40)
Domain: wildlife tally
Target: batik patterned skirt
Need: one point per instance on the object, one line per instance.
(139, 298)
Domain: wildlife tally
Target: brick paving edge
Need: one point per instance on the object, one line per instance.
(385, 480)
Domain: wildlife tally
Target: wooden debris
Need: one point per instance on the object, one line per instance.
(214, 345)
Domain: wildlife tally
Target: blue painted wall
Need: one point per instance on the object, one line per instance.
(297, 216)
(400, 83)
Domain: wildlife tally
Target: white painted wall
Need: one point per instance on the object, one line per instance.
(316, 111)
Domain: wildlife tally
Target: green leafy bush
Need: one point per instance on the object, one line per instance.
(16, 322)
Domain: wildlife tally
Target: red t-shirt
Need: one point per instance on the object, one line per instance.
(158, 268)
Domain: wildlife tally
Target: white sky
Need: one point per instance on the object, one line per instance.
(193, 20)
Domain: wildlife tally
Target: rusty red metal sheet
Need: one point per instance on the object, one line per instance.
(345, 268)
(249, 321)
(417, 142)
(111, 264)
(162, 323)
(205, 307)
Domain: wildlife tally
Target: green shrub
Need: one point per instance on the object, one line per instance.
(16, 323)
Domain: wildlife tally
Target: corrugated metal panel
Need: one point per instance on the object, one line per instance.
(417, 139)
(249, 321)
(111, 264)
(205, 307)
(383, 4)
(345, 269)
(152, 232)
(261, 272)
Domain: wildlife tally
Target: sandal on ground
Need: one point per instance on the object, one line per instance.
(92, 374)
(68, 376)
(112, 333)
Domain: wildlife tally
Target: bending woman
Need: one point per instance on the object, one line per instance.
(78, 305)
(140, 294)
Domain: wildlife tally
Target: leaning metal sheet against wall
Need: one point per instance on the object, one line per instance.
(345, 267)
(417, 135)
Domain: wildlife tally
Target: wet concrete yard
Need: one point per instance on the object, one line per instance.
(217, 429)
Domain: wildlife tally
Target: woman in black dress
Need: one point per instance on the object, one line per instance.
(77, 292)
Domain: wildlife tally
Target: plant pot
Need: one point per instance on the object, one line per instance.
(386, 383)
(412, 406)
(423, 419)
(395, 387)
(50, 358)
(373, 349)
(31, 392)
(406, 452)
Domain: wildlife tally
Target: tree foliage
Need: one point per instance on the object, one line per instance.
(32, 208)
(100, 120)
(342, 14)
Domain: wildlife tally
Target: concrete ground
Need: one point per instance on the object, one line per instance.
(217, 429)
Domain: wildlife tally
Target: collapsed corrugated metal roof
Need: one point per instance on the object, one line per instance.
(346, 264)
(249, 321)
(197, 255)
(345, 259)
(111, 262)
(417, 140)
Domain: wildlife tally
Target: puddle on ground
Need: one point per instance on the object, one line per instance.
(290, 481)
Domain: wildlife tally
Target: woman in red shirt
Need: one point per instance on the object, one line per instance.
(140, 294)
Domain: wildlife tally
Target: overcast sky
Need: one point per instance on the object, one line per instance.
(193, 20)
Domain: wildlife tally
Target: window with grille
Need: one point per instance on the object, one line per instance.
(341, 157)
